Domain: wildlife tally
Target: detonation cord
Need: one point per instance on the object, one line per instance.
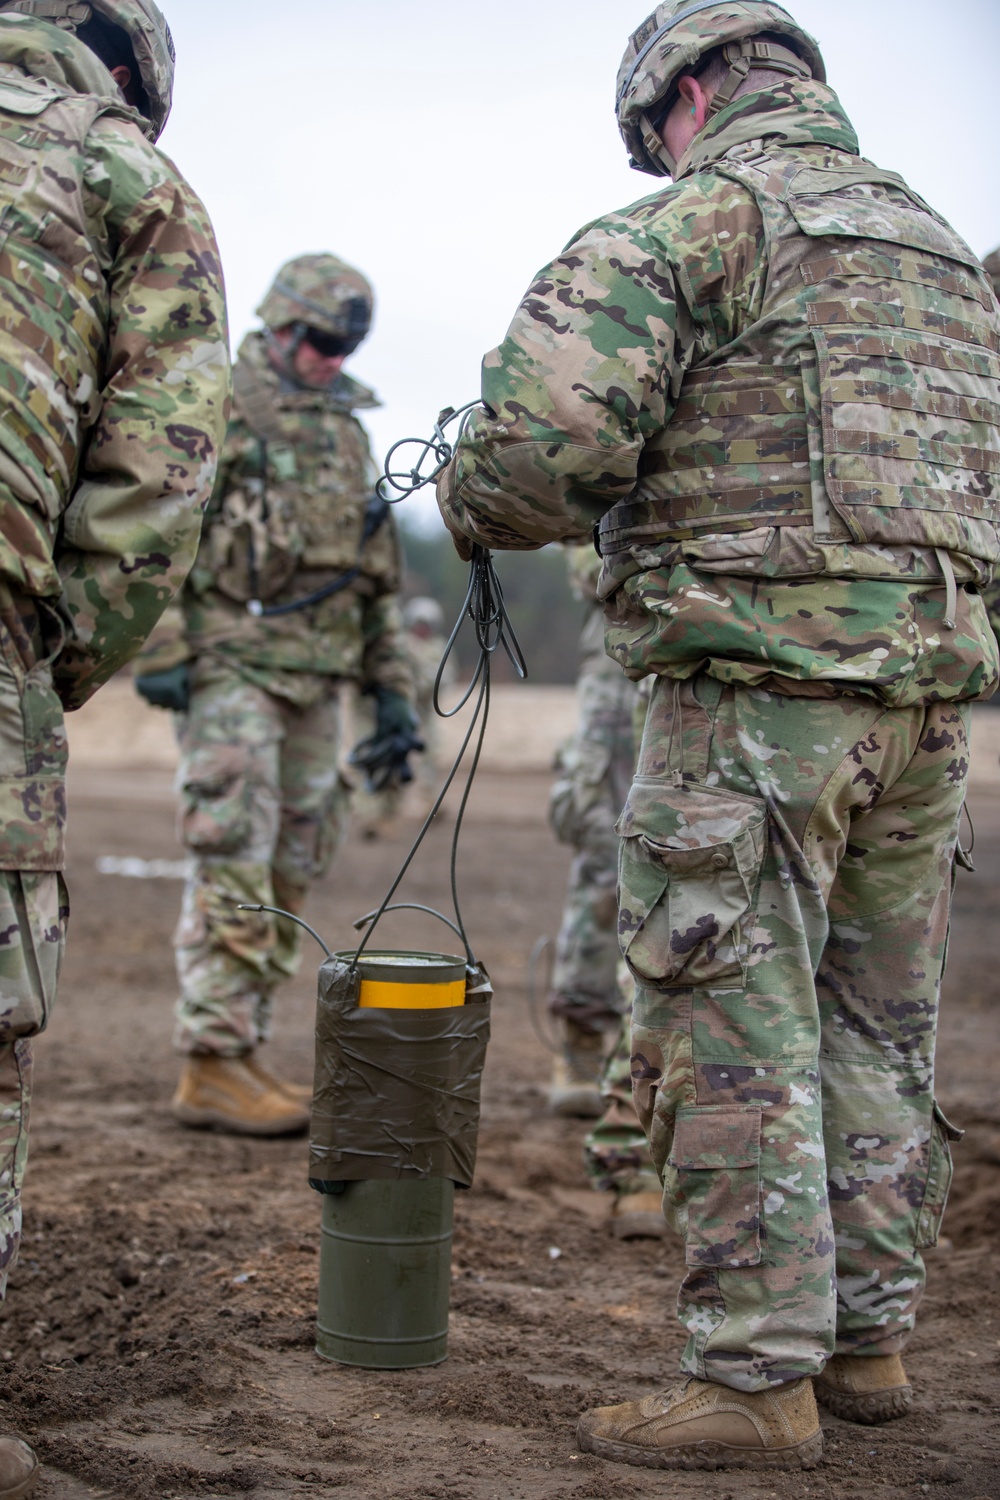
(484, 606)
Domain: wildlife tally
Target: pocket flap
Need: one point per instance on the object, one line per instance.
(688, 818)
(712, 1140)
(952, 1132)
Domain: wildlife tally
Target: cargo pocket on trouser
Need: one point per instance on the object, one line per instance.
(688, 875)
(216, 813)
(712, 1186)
(939, 1175)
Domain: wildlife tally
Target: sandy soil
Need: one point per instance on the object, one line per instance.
(158, 1337)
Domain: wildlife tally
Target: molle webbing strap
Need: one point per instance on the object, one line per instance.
(668, 26)
(256, 405)
(69, 13)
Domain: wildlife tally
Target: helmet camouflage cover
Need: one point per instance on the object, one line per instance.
(323, 292)
(148, 33)
(670, 42)
(423, 611)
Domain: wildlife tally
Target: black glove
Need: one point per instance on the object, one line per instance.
(382, 756)
(169, 689)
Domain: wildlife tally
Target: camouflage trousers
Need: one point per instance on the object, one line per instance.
(34, 912)
(786, 876)
(263, 808)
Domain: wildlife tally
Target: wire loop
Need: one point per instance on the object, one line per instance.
(437, 447)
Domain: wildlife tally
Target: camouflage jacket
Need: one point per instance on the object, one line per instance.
(287, 518)
(115, 361)
(656, 321)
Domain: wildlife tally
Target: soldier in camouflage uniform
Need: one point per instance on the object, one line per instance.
(115, 396)
(771, 386)
(293, 594)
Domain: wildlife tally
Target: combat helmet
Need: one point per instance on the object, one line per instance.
(148, 34)
(423, 611)
(669, 43)
(320, 291)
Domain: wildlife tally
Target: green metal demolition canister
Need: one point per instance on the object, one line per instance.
(385, 1274)
(385, 1254)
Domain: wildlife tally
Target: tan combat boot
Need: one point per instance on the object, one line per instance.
(300, 1093)
(868, 1389)
(229, 1094)
(638, 1216)
(575, 1089)
(701, 1425)
(19, 1469)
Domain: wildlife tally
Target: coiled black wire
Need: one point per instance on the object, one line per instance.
(484, 606)
(437, 447)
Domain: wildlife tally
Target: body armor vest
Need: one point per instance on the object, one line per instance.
(53, 316)
(300, 503)
(860, 406)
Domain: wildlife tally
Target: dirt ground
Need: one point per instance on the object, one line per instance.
(158, 1338)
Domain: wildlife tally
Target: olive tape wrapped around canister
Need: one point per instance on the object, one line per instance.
(396, 1091)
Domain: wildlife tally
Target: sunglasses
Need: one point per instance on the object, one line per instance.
(329, 345)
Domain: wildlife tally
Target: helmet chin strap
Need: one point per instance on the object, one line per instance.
(751, 53)
(282, 356)
(741, 56)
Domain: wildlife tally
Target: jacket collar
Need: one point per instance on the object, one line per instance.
(45, 53)
(799, 112)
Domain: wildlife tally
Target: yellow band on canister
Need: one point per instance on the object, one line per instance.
(377, 994)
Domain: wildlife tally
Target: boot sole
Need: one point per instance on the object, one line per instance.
(210, 1119)
(869, 1408)
(804, 1455)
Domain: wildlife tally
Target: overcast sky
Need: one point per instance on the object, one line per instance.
(449, 149)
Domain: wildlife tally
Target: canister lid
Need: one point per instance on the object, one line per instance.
(401, 967)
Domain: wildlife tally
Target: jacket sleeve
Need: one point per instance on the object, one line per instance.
(385, 661)
(130, 532)
(588, 370)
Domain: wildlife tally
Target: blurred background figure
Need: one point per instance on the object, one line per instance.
(293, 595)
(591, 987)
(424, 640)
(992, 267)
(991, 594)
